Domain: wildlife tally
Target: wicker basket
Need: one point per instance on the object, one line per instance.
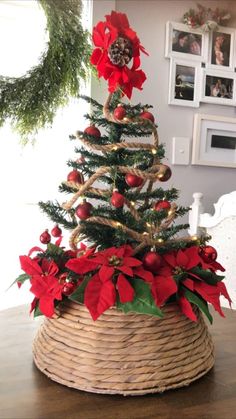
(129, 354)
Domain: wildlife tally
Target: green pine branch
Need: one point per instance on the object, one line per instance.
(57, 214)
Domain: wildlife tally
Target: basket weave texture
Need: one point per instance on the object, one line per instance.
(129, 354)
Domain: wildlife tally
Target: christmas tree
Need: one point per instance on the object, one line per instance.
(135, 257)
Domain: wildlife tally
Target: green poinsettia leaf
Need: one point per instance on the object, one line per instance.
(37, 312)
(143, 301)
(21, 278)
(208, 276)
(78, 295)
(200, 303)
(53, 249)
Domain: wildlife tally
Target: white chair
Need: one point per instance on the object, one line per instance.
(222, 228)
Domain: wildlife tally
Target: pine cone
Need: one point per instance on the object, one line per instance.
(120, 52)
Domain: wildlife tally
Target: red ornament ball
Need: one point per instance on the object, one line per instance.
(68, 288)
(147, 115)
(56, 231)
(166, 175)
(92, 130)
(152, 262)
(162, 205)
(45, 237)
(117, 200)
(208, 253)
(83, 210)
(133, 180)
(119, 113)
(75, 176)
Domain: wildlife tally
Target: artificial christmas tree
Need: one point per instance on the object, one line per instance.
(143, 283)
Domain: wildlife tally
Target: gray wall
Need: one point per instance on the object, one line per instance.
(148, 18)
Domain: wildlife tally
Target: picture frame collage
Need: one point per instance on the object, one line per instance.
(202, 65)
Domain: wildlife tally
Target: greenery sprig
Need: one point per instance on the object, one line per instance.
(31, 101)
(206, 18)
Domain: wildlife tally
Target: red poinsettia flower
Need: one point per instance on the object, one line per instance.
(182, 261)
(164, 284)
(113, 266)
(186, 308)
(83, 263)
(212, 293)
(116, 258)
(99, 296)
(44, 283)
(213, 265)
(116, 46)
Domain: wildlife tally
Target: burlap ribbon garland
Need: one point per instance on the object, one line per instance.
(155, 172)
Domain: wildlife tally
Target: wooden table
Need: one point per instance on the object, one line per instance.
(27, 394)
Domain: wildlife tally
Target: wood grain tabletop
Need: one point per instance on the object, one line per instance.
(25, 393)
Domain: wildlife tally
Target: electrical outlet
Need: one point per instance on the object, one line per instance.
(180, 150)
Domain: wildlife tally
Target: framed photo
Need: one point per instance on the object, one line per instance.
(214, 141)
(185, 43)
(222, 49)
(218, 87)
(184, 83)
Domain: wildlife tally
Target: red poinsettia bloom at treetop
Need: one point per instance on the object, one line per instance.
(112, 266)
(44, 284)
(117, 54)
(181, 263)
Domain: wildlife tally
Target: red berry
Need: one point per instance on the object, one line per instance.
(133, 180)
(56, 231)
(45, 237)
(117, 200)
(83, 210)
(68, 288)
(75, 176)
(166, 175)
(152, 262)
(208, 253)
(80, 160)
(147, 115)
(119, 112)
(92, 130)
(162, 205)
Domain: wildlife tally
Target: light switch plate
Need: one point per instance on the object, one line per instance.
(180, 150)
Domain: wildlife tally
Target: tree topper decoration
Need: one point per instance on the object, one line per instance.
(117, 54)
(206, 18)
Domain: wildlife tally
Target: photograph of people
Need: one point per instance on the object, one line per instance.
(184, 82)
(219, 87)
(220, 53)
(186, 42)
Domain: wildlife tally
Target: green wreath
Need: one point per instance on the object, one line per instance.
(31, 101)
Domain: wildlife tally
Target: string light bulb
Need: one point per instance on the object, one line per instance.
(148, 225)
(160, 240)
(114, 148)
(154, 151)
(132, 203)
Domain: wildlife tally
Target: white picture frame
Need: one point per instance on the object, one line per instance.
(221, 51)
(218, 87)
(214, 141)
(190, 50)
(183, 78)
